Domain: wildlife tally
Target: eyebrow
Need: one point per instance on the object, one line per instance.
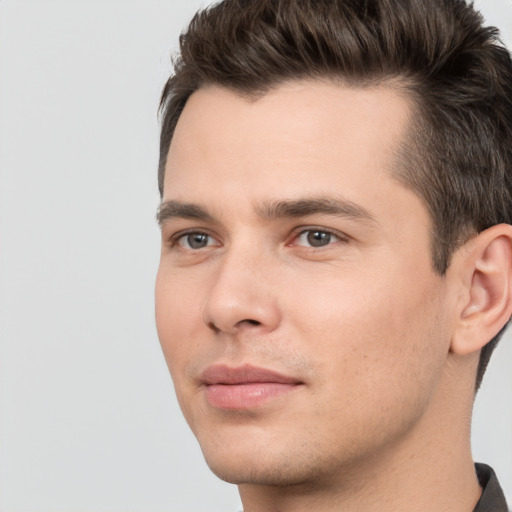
(178, 210)
(273, 210)
(337, 206)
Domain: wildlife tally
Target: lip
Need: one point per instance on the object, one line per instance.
(244, 387)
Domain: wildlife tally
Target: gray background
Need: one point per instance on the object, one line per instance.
(88, 419)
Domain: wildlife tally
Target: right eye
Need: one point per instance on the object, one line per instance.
(194, 241)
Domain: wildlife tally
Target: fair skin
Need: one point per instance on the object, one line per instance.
(317, 356)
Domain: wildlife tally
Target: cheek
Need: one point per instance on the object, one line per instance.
(177, 312)
(374, 333)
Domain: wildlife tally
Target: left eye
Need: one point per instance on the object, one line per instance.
(316, 238)
(195, 240)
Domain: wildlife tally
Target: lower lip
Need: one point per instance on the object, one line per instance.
(245, 396)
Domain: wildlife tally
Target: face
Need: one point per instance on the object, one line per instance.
(296, 303)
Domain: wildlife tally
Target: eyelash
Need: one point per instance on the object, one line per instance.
(176, 238)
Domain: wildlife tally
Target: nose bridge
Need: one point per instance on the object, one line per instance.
(241, 294)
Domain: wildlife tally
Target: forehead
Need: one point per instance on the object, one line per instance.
(299, 134)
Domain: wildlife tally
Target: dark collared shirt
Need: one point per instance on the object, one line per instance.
(492, 499)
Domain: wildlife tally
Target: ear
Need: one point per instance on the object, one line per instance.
(486, 304)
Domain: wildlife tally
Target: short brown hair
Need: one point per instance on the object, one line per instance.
(458, 157)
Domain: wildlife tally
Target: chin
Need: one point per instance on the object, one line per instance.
(261, 473)
(273, 464)
(238, 462)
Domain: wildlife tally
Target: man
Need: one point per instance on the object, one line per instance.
(336, 266)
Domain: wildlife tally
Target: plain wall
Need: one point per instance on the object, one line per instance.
(88, 418)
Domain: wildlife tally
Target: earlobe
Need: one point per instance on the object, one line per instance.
(488, 301)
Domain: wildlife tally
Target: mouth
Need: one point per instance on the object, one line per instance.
(244, 387)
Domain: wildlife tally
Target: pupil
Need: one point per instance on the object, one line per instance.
(197, 240)
(318, 238)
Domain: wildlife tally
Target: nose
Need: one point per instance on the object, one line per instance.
(242, 296)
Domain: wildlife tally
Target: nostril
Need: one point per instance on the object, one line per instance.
(251, 322)
(248, 321)
(213, 327)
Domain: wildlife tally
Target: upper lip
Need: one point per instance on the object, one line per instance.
(245, 374)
